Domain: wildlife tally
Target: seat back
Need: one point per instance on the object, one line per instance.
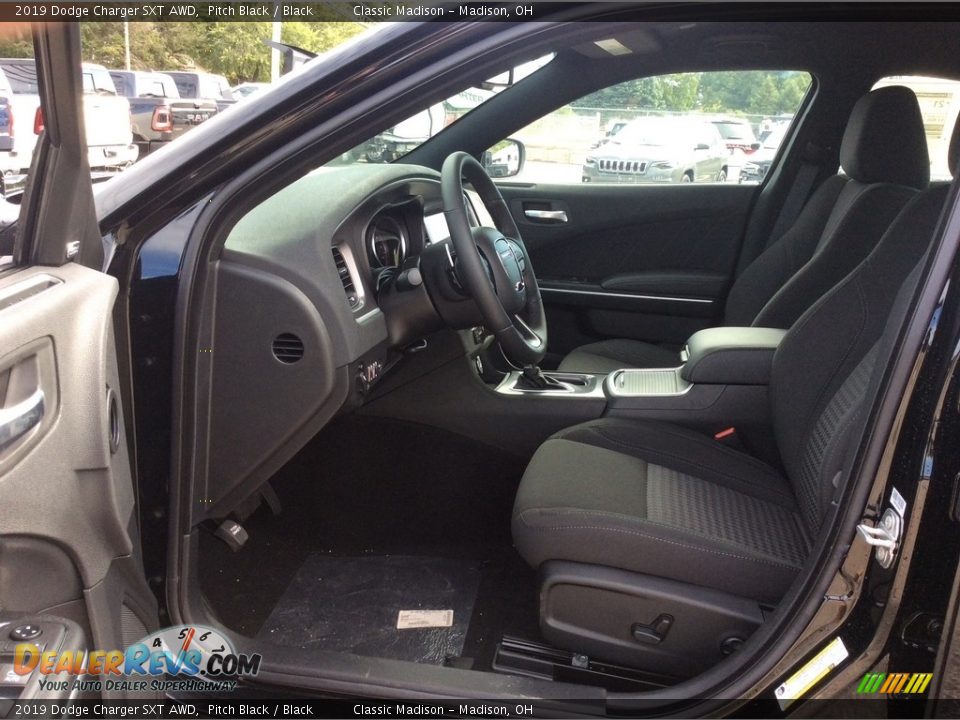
(826, 362)
(885, 161)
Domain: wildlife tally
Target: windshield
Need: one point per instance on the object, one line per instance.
(734, 130)
(403, 138)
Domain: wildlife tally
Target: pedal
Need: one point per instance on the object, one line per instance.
(233, 534)
(270, 497)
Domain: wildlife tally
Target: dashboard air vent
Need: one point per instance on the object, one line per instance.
(345, 278)
(287, 348)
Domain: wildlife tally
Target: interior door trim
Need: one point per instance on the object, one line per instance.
(630, 296)
(17, 420)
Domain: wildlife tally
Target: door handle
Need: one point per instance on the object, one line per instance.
(17, 420)
(558, 216)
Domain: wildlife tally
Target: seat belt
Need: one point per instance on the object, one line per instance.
(811, 163)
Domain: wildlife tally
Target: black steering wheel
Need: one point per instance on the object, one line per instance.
(492, 263)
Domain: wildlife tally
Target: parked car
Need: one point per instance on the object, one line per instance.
(246, 89)
(203, 86)
(397, 141)
(738, 135)
(756, 168)
(613, 128)
(660, 150)
(157, 113)
(107, 116)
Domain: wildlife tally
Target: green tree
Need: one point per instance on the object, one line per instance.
(235, 50)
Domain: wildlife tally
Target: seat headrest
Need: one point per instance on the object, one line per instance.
(884, 140)
(953, 154)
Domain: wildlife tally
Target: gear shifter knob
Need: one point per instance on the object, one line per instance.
(532, 378)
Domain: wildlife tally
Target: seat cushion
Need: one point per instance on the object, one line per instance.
(609, 355)
(659, 499)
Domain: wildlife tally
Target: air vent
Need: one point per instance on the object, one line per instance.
(345, 278)
(288, 348)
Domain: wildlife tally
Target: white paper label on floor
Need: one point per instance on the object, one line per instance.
(424, 619)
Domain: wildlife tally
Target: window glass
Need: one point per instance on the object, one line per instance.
(680, 128)
(404, 137)
(939, 101)
(98, 81)
(186, 85)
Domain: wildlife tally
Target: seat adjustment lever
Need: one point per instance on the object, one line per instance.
(653, 633)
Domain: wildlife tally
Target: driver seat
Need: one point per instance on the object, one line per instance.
(660, 547)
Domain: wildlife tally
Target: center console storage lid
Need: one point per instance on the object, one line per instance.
(731, 355)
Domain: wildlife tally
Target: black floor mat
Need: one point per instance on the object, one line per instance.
(402, 489)
(352, 604)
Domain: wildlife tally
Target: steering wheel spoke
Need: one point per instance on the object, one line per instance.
(500, 280)
(528, 333)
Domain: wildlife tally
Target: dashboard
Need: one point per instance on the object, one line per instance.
(340, 235)
(317, 294)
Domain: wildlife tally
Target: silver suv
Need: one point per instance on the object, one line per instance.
(660, 150)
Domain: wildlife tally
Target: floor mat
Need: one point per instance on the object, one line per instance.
(352, 604)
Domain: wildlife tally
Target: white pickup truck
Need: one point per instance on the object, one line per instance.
(106, 115)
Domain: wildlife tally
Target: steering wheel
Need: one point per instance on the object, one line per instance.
(492, 263)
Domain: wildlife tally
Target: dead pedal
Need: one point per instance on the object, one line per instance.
(232, 533)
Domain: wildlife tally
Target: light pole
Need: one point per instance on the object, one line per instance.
(126, 44)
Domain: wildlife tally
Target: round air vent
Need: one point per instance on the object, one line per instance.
(287, 348)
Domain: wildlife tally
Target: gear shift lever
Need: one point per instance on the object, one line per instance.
(532, 378)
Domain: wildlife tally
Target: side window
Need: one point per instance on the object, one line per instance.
(120, 83)
(680, 128)
(939, 101)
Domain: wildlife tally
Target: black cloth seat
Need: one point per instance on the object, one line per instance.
(884, 158)
(661, 500)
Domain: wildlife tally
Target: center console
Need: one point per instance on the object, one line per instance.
(721, 380)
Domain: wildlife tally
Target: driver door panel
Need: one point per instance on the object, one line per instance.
(67, 506)
(69, 541)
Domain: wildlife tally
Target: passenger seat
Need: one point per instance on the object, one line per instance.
(885, 162)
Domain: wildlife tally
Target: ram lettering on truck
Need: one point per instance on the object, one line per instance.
(158, 114)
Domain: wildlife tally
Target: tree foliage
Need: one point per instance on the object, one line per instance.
(233, 49)
(750, 93)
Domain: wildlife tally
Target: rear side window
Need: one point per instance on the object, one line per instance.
(939, 101)
(22, 76)
(97, 81)
(186, 85)
(703, 127)
(120, 83)
(154, 88)
(169, 88)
